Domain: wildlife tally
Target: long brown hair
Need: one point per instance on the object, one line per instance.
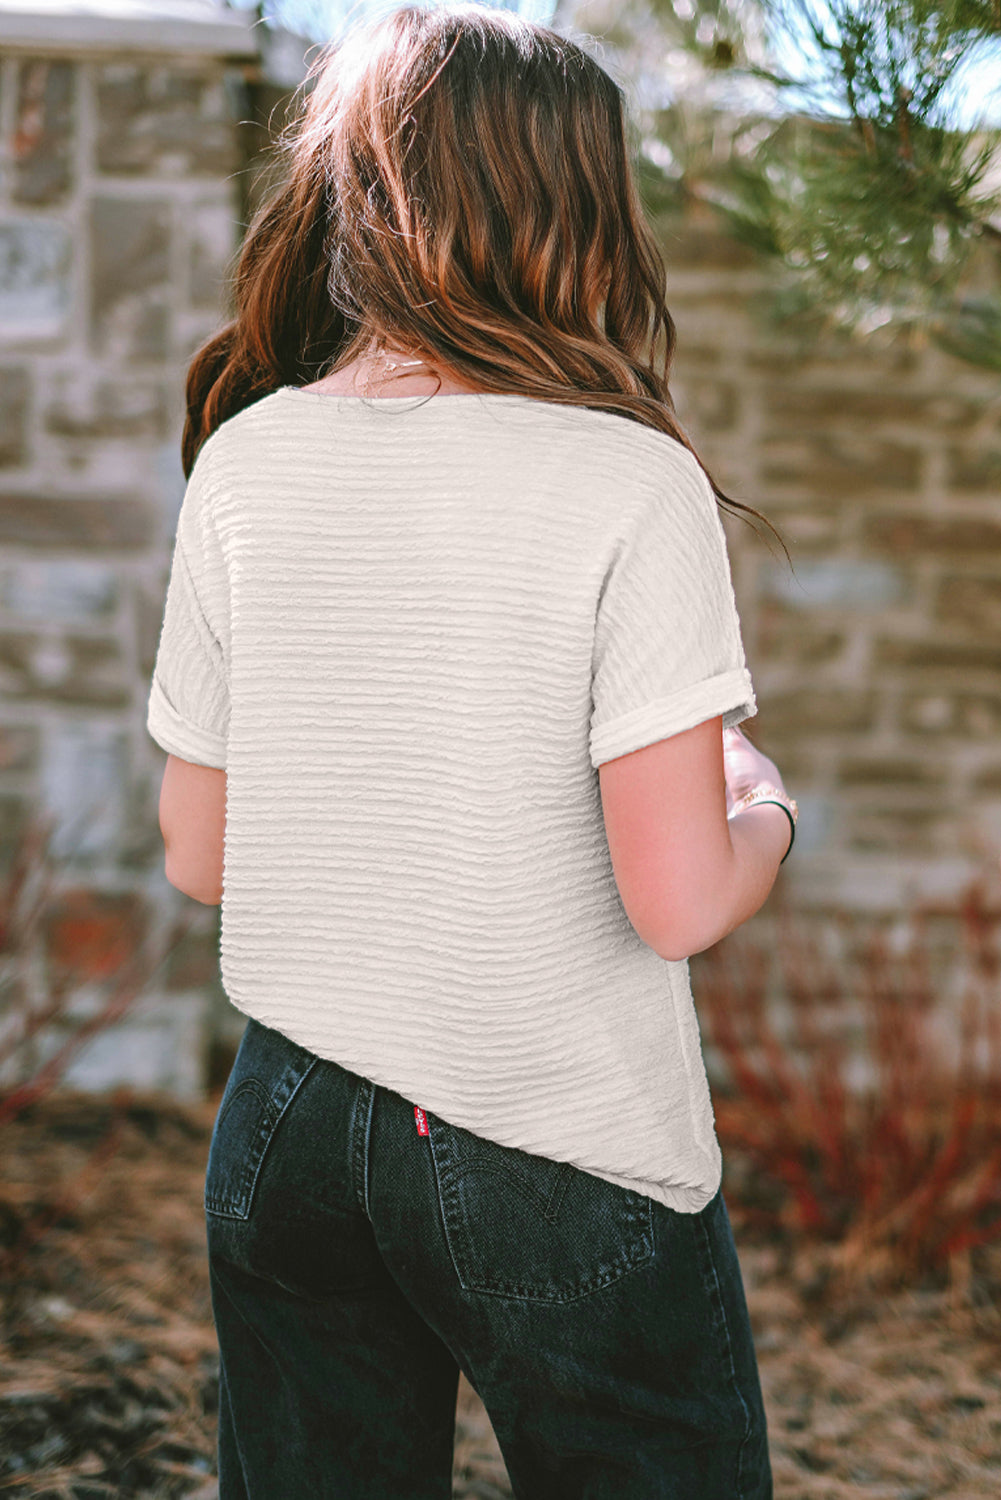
(459, 183)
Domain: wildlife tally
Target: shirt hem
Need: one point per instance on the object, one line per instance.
(683, 1198)
(178, 736)
(730, 694)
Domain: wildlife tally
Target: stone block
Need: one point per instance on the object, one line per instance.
(140, 846)
(59, 590)
(75, 406)
(933, 713)
(943, 656)
(936, 536)
(130, 265)
(784, 636)
(36, 266)
(807, 710)
(164, 120)
(710, 307)
(786, 354)
(971, 602)
(879, 881)
(839, 583)
(822, 463)
(166, 1051)
(979, 716)
(695, 355)
(15, 393)
(703, 247)
(17, 812)
(77, 522)
(889, 770)
(86, 1002)
(910, 830)
(90, 934)
(965, 715)
(83, 670)
(869, 402)
(19, 748)
(150, 595)
(975, 469)
(84, 768)
(706, 405)
(41, 148)
(213, 239)
(819, 525)
(930, 713)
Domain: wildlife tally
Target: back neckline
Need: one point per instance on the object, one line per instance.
(297, 390)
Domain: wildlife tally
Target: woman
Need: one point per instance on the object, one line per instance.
(449, 677)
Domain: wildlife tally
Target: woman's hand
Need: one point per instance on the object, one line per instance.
(744, 766)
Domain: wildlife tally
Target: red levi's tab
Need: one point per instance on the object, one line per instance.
(422, 1120)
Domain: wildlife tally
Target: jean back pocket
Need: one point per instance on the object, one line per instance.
(267, 1073)
(526, 1227)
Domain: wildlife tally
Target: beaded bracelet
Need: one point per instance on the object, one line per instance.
(765, 793)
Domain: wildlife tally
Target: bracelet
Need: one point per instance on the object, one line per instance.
(766, 793)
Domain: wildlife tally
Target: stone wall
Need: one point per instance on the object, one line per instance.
(125, 179)
(877, 657)
(120, 208)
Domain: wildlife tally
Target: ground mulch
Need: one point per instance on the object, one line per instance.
(109, 1368)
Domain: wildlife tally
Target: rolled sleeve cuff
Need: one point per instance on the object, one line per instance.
(178, 736)
(730, 694)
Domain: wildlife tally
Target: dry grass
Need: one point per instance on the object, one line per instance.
(108, 1356)
(108, 1363)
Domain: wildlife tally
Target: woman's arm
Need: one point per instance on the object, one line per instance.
(686, 875)
(193, 824)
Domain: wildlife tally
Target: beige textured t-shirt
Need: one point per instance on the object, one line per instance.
(410, 630)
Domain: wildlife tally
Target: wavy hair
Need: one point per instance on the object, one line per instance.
(459, 183)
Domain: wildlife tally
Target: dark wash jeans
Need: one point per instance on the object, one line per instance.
(357, 1265)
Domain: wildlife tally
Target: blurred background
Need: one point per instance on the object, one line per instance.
(825, 181)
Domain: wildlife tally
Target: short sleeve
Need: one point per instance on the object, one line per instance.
(188, 707)
(668, 652)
